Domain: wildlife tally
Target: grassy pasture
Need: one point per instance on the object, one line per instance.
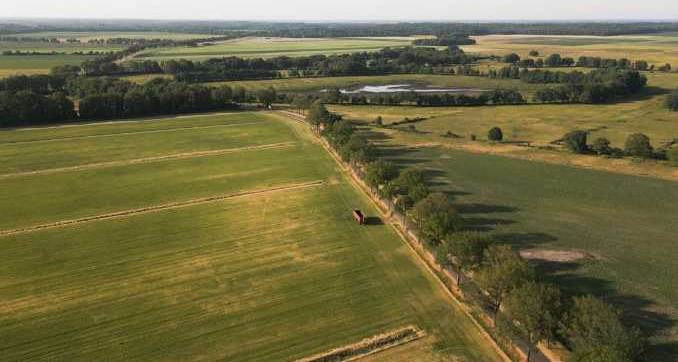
(242, 279)
(89, 35)
(624, 223)
(656, 49)
(67, 48)
(542, 124)
(271, 47)
(36, 64)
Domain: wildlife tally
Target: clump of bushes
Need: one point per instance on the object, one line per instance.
(638, 145)
(575, 141)
(495, 134)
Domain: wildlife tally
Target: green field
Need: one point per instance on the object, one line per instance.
(626, 225)
(245, 277)
(89, 35)
(656, 49)
(542, 124)
(68, 48)
(36, 64)
(271, 47)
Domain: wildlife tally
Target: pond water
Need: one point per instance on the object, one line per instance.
(404, 88)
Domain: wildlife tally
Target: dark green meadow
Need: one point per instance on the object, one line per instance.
(625, 226)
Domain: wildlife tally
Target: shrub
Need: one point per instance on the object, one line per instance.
(575, 141)
(638, 145)
(495, 134)
(601, 146)
(534, 53)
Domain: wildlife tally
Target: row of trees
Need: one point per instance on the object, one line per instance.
(521, 304)
(598, 86)
(25, 108)
(158, 96)
(445, 40)
(553, 60)
(556, 60)
(636, 145)
(46, 99)
(494, 97)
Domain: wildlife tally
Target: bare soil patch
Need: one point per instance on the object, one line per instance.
(557, 256)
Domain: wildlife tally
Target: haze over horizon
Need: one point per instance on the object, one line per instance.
(347, 10)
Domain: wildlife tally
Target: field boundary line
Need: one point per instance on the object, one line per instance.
(357, 183)
(172, 157)
(170, 206)
(159, 118)
(380, 342)
(176, 129)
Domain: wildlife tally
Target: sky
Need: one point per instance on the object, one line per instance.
(359, 10)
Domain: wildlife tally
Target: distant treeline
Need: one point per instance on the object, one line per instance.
(555, 61)
(301, 29)
(109, 64)
(494, 97)
(598, 86)
(445, 40)
(54, 52)
(36, 100)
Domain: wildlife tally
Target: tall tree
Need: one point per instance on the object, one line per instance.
(596, 334)
(436, 217)
(535, 310)
(503, 271)
(466, 250)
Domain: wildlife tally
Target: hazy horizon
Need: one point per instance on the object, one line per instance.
(346, 10)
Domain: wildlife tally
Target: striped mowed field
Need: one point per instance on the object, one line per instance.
(216, 237)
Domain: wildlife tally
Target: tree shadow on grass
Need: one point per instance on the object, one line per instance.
(636, 310)
(524, 240)
(373, 220)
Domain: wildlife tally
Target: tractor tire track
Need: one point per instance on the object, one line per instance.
(176, 156)
(155, 208)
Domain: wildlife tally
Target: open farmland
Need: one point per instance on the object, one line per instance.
(541, 124)
(91, 35)
(37, 64)
(203, 237)
(272, 47)
(618, 231)
(657, 49)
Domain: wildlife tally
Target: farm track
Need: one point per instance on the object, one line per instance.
(177, 156)
(176, 129)
(175, 205)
